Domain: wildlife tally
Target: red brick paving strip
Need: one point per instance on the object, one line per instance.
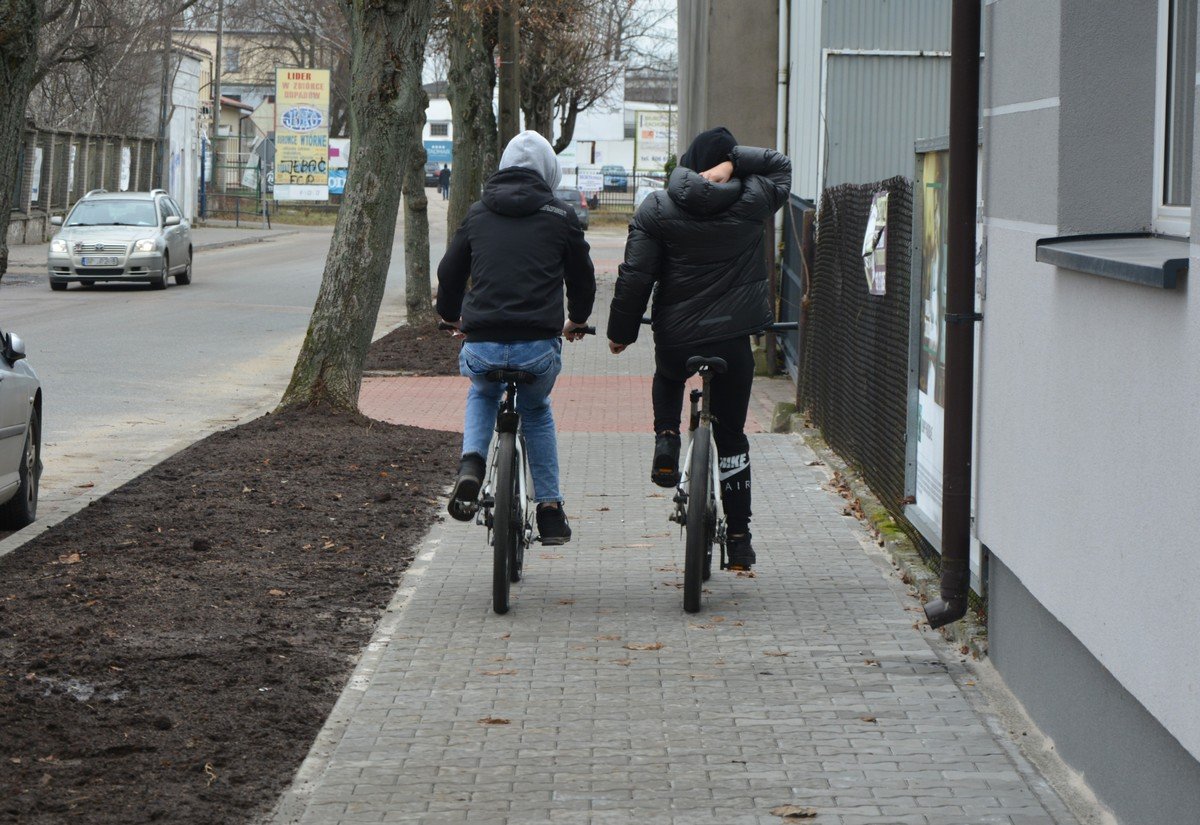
(584, 404)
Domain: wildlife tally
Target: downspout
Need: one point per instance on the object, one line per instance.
(960, 313)
(781, 119)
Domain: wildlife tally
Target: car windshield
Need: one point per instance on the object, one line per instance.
(114, 213)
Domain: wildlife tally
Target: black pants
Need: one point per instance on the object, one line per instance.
(730, 401)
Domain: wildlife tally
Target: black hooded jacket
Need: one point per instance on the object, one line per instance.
(698, 246)
(504, 270)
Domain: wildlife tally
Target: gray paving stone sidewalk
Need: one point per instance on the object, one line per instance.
(810, 684)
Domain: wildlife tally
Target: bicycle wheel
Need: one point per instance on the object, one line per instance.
(699, 539)
(506, 523)
(517, 560)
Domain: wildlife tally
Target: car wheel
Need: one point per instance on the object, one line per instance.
(58, 286)
(21, 509)
(161, 281)
(184, 278)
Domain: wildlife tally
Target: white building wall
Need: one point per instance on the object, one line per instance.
(183, 140)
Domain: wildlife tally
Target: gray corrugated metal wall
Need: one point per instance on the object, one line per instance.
(876, 108)
(887, 24)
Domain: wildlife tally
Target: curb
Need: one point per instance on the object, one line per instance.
(26, 534)
(39, 267)
(969, 634)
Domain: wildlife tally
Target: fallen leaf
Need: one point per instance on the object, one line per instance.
(508, 671)
(566, 601)
(775, 653)
(644, 646)
(500, 659)
(493, 720)
(73, 558)
(212, 774)
(551, 555)
(274, 591)
(611, 637)
(623, 662)
(246, 489)
(868, 718)
(718, 619)
(603, 509)
(85, 486)
(793, 812)
(871, 662)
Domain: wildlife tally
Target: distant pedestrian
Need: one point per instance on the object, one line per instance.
(444, 182)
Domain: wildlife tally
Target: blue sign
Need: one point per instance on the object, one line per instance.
(439, 151)
(337, 181)
(302, 119)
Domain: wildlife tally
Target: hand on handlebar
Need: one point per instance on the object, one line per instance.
(574, 332)
(615, 348)
(452, 327)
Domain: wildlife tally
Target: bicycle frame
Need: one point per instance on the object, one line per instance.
(701, 420)
(507, 420)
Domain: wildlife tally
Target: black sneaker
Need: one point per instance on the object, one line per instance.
(739, 552)
(463, 498)
(552, 525)
(664, 471)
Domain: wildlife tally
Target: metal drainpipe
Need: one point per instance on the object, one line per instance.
(960, 313)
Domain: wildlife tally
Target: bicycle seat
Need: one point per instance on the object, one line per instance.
(511, 376)
(700, 362)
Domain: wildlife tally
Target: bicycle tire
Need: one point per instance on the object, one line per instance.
(699, 539)
(504, 531)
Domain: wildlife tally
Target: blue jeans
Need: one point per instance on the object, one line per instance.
(541, 358)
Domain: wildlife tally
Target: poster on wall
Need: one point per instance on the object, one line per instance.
(931, 372)
(302, 134)
(652, 141)
(35, 180)
(71, 168)
(126, 168)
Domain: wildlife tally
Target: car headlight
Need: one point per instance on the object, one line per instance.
(57, 245)
(147, 245)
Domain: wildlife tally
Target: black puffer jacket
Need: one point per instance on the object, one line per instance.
(698, 247)
(516, 248)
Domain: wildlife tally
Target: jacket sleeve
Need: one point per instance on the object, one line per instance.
(773, 168)
(453, 273)
(579, 272)
(635, 277)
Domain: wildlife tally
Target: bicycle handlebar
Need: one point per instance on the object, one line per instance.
(779, 326)
(451, 328)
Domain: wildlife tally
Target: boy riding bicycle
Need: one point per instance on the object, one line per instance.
(698, 247)
(501, 281)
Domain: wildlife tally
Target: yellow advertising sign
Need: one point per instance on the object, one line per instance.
(302, 134)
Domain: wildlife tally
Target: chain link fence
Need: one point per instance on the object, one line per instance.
(854, 362)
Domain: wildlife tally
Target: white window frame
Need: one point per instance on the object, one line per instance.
(1168, 220)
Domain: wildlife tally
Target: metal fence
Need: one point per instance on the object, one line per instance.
(238, 183)
(612, 189)
(853, 369)
(58, 168)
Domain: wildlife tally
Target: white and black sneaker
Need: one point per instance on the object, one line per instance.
(739, 553)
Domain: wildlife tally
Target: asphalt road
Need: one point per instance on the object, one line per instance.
(128, 372)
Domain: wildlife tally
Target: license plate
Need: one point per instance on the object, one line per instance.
(102, 261)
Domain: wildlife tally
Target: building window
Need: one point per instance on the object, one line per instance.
(231, 59)
(439, 129)
(1176, 107)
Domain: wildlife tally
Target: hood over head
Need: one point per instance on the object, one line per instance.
(708, 149)
(698, 196)
(529, 150)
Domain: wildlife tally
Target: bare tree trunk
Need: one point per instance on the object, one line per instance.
(418, 294)
(567, 125)
(388, 41)
(510, 71)
(19, 24)
(471, 79)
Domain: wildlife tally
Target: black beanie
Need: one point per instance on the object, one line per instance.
(708, 149)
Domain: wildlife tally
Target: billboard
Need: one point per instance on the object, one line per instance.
(302, 134)
(439, 151)
(652, 138)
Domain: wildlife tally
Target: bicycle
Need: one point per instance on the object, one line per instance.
(504, 506)
(698, 508)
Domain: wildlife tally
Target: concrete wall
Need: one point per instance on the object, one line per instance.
(1087, 449)
(727, 68)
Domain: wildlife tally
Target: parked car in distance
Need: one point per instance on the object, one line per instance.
(121, 236)
(576, 200)
(431, 173)
(615, 178)
(20, 435)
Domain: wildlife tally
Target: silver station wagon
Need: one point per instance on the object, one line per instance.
(121, 236)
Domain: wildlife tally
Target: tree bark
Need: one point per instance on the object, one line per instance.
(20, 21)
(388, 43)
(510, 71)
(418, 294)
(471, 78)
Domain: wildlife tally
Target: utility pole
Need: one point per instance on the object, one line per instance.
(216, 85)
(510, 72)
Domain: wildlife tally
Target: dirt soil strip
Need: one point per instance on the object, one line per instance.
(419, 350)
(169, 653)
